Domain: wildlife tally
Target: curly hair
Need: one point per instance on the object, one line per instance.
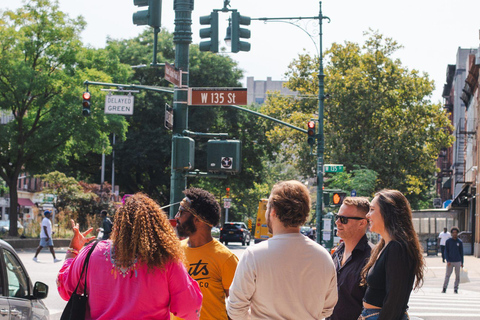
(291, 201)
(142, 231)
(397, 216)
(204, 203)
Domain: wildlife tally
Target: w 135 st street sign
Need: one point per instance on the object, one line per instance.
(217, 96)
(122, 104)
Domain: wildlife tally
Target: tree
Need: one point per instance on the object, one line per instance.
(41, 85)
(379, 115)
(363, 181)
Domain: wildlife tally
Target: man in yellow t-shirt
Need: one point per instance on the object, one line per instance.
(210, 263)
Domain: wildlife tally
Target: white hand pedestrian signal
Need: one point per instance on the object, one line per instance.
(227, 162)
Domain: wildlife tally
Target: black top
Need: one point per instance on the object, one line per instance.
(350, 293)
(390, 281)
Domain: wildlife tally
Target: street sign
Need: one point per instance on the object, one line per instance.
(333, 168)
(168, 117)
(227, 202)
(353, 193)
(217, 96)
(173, 75)
(122, 104)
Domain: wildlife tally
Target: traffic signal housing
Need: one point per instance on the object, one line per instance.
(337, 198)
(86, 104)
(228, 192)
(210, 32)
(239, 33)
(311, 132)
(152, 16)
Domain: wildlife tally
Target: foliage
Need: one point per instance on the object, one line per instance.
(363, 181)
(379, 115)
(41, 85)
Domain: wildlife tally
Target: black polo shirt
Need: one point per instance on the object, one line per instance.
(350, 293)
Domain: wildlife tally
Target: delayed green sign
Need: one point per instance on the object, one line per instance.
(333, 168)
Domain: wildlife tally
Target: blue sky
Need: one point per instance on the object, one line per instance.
(430, 30)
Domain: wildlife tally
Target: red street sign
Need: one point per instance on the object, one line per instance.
(217, 96)
(173, 75)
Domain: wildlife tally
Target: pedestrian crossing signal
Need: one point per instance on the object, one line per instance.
(337, 198)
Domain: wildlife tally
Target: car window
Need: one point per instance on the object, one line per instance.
(232, 226)
(17, 279)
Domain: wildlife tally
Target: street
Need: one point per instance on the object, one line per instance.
(427, 304)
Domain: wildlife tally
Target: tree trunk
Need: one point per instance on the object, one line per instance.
(12, 184)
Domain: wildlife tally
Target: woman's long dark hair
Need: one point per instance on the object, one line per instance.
(397, 216)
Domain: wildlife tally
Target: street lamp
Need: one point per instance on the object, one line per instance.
(228, 36)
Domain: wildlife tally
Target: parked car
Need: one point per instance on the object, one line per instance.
(235, 232)
(20, 300)
(5, 226)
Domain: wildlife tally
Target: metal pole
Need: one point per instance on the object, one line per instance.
(182, 37)
(320, 136)
(113, 164)
(102, 178)
(226, 215)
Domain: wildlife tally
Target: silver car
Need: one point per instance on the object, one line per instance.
(19, 299)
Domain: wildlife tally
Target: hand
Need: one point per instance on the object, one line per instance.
(448, 264)
(79, 240)
(461, 265)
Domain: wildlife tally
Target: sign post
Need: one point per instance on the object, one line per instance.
(226, 204)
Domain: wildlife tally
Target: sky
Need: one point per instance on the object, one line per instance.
(431, 31)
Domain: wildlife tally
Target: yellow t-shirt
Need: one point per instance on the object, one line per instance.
(213, 266)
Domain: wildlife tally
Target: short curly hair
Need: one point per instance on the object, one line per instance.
(291, 200)
(204, 203)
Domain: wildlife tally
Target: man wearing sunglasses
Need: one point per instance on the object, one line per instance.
(351, 256)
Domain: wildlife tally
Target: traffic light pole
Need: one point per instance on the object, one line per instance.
(182, 37)
(320, 135)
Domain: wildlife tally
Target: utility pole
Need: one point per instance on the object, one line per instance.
(320, 137)
(182, 37)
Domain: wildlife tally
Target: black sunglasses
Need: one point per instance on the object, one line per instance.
(344, 220)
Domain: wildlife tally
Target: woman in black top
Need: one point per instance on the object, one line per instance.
(396, 262)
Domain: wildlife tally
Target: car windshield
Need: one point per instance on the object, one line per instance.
(233, 226)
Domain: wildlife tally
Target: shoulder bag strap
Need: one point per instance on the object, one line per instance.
(85, 268)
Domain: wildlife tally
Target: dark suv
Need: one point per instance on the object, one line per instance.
(235, 232)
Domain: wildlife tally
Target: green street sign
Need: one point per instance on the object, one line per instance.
(333, 168)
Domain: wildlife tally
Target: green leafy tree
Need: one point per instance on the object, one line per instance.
(379, 115)
(363, 181)
(40, 86)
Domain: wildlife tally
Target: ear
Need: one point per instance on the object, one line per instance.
(273, 212)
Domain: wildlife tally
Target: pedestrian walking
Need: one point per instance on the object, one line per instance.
(454, 257)
(396, 264)
(210, 263)
(106, 225)
(46, 237)
(138, 273)
(351, 256)
(443, 237)
(288, 276)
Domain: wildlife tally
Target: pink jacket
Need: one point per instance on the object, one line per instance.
(134, 293)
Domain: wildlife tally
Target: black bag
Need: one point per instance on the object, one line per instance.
(77, 304)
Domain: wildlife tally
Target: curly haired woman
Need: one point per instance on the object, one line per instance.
(396, 262)
(139, 273)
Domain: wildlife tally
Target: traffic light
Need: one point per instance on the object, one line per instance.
(86, 104)
(210, 32)
(152, 16)
(326, 198)
(228, 192)
(337, 198)
(311, 132)
(239, 33)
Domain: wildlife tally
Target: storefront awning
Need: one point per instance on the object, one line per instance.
(25, 202)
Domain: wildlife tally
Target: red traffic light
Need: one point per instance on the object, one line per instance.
(86, 95)
(311, 128)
